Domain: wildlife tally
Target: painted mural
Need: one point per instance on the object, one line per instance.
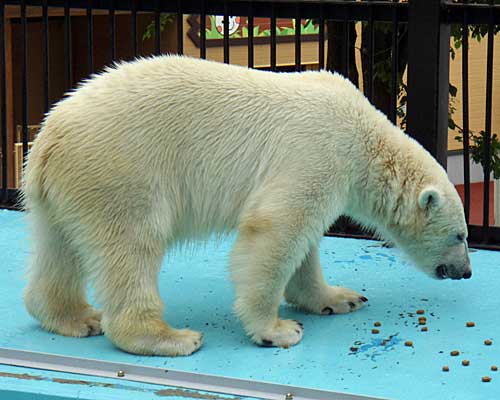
(238, 30)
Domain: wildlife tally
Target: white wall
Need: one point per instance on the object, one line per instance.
(456, 170)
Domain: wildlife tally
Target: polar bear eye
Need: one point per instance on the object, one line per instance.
(460, 237)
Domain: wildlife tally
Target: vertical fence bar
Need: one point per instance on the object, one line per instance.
(3, 104)
(67, 46)
(370, 50)
(394, 60)
(487, 147)
(133, 7)
(273, 37)
(24, 77)
(203, 30)
(226, 32)
(298, 42)
(180, 28)
(345, 29)
(250, 36)
(90, 38)
(465, 103)
(45, 49)
(157, 17)
(321, 37)
(428, 77)
(112, 30)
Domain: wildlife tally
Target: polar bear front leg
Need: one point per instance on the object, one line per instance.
(264, 258)
(308, 290)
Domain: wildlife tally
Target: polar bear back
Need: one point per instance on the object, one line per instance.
(202, 135)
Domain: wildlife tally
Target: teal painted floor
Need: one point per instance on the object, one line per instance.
(197, 293)
(31, 384)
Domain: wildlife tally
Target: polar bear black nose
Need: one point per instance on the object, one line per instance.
(467, 274)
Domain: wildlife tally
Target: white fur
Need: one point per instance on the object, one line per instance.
(168, 150)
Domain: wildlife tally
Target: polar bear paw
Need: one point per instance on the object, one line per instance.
(152, 337)
(327, 300)
(340, 300)
(284, 333)
(86, 324)
(179, 342)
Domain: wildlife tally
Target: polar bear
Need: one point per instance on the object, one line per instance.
(162, 151)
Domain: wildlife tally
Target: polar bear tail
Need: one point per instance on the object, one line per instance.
(33, 186)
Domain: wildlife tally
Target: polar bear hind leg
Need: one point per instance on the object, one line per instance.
(126, 284)
(56, 290)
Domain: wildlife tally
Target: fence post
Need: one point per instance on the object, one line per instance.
(428, 77)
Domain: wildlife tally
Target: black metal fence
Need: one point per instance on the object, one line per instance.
(423, 25)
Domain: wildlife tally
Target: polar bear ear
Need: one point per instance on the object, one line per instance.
(429, 198)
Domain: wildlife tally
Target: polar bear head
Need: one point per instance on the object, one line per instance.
(436, 236)
(399, 190)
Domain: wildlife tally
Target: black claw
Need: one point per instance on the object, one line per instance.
(352, 305)
(363, 299)
(327, 311)
(267, 343)
(298, 332)
(300, 324)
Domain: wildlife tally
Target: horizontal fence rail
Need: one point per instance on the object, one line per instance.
(477, 13)
(359, 11)
(424, 24)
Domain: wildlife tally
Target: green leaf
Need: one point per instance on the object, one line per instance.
(149, 32)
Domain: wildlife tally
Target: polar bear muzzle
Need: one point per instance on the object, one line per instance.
(444, 271)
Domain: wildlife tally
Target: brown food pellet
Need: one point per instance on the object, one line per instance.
(488, 342)
(409, 343)
(470, 324)
(354, 349)
(375, 331)
(465, 363)
(422, 319)
(377, 324)
(454, 353)
(422, 322)
(486, 379)
(445, 368)
(420, 312)
(494, 368)
(424, 329)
